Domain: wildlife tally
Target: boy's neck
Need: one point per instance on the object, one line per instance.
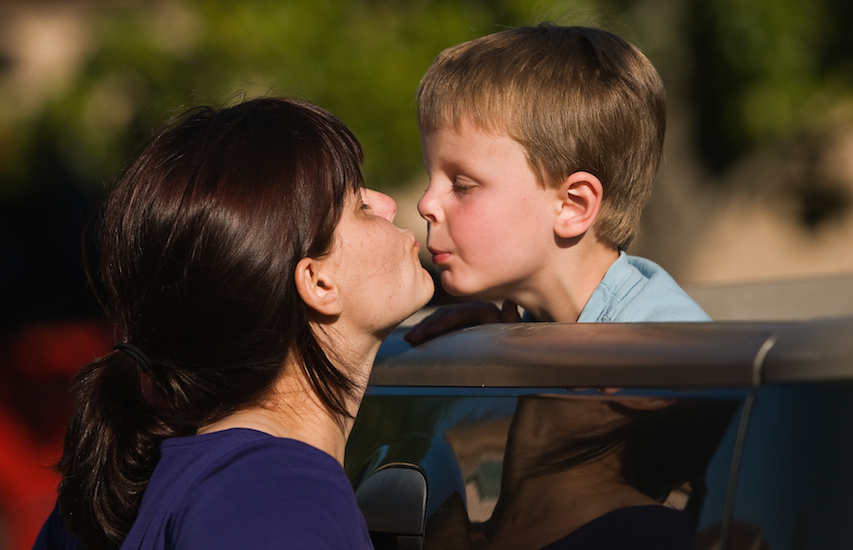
(560, 293)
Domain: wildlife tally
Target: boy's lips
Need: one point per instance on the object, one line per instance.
(438, 256)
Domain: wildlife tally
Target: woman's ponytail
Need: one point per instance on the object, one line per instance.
(111, 449)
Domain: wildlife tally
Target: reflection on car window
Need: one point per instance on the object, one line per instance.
(570, 471)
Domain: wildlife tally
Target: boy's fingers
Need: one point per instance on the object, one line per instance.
(427, 327)
(509, 312)
(452, 318)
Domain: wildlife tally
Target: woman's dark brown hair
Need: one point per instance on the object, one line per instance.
(198, 242)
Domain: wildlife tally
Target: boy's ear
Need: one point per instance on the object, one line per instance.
(316, 288)
(581, 195)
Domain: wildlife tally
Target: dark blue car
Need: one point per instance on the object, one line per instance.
(744, 428)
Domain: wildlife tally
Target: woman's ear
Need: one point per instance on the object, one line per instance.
(581, 194)
(316, 288)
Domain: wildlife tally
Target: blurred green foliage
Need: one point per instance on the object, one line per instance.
(768, 70)
(757, 70)
(360, 59)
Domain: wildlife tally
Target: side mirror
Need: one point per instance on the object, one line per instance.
(393, 500)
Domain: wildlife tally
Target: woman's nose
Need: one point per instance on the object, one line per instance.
(382, 204)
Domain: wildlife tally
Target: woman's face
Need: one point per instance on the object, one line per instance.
(376, 265)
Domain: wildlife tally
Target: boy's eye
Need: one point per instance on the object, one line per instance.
(460, 187)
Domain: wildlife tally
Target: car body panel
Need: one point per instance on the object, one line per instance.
(777, 470)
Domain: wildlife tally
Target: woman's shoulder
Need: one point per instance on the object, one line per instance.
(244, 460)
(271, 489)
(244, 488)
(243, 445)
(243, 469)
(237, 460)
(647, 527)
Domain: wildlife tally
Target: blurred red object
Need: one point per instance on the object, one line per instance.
(37, 363)
(59, 349)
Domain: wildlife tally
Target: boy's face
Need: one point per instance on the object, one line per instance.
(491, 225)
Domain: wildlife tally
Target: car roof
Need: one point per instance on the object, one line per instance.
(658, 355)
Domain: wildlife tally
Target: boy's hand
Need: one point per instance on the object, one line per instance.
(450, 318)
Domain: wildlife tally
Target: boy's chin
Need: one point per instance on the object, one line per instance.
(467, 291)
(450, 287)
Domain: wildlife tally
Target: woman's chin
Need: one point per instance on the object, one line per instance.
(429, 291)
(415, 306)
(415, 299)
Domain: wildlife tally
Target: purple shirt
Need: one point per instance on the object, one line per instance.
(239, 488)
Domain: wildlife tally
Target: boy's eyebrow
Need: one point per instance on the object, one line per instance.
(460, 164)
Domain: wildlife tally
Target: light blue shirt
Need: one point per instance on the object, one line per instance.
(636, 290)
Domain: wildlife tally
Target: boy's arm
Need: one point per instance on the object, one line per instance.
(450, 318)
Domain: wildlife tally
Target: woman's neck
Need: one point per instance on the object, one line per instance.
(294, 411)
(321, 432)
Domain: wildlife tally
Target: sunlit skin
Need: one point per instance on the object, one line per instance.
(369, 282)
(496, 232)
(376, 266)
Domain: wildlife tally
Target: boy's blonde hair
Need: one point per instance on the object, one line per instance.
(575, 98)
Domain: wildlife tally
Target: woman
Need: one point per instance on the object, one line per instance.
(251, 280)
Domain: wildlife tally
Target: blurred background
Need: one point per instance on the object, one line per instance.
(756, 186)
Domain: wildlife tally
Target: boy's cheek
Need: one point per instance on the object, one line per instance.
(474, 230)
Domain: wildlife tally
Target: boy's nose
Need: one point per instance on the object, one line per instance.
(381, 203)
(426, 206)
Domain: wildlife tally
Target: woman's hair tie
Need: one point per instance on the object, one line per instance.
(137, 355)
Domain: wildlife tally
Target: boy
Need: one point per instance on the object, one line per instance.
(542, 145)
